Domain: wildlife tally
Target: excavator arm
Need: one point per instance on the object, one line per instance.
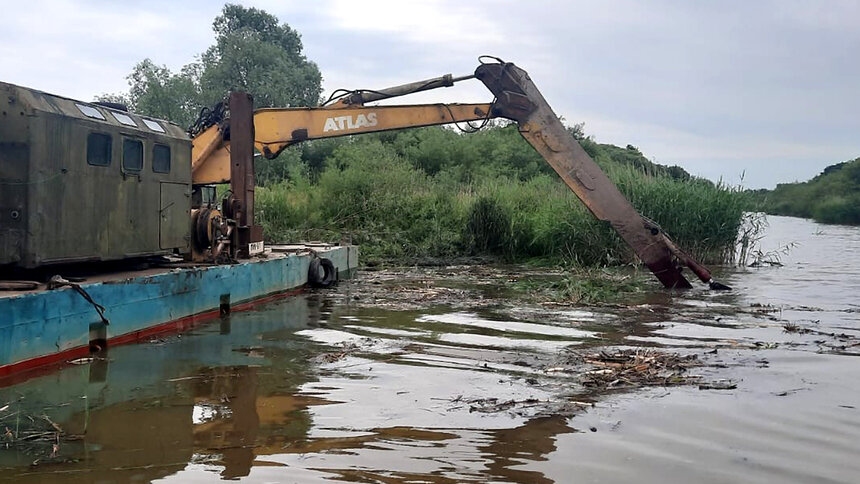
(278, 128)
(516, 99)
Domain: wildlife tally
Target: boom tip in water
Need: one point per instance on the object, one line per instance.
(716, 286)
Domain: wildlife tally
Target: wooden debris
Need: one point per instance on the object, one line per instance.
(638, 367)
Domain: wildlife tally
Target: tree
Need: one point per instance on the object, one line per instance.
(578, 131)
(252, 52)
(158, 92)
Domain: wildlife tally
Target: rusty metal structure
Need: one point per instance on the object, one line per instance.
(518, 99)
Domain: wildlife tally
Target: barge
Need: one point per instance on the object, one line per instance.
(44, 326)
(90, 185)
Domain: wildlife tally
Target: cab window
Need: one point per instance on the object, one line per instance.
(98, 149)
(90, 111)
(123, 119)
(153, 125)
(132, 155)
(161, 158)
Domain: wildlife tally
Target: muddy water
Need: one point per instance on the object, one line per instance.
(436, 375)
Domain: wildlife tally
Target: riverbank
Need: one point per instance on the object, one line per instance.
(831, 197)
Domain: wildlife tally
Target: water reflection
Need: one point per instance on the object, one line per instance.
(316, 388)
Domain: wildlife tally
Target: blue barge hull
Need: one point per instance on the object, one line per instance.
(47, 326)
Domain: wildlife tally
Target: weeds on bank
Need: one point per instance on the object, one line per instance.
(383, 197)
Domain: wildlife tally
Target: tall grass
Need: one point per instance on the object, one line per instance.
(370, 194)
(703, 218)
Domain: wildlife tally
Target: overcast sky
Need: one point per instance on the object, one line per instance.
(767, 88)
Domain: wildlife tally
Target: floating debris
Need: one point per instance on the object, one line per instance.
(639, 367)
(348, 348)
(33, 435)
(492, 405)
(795, 328)
(718, 385)
(764, 345)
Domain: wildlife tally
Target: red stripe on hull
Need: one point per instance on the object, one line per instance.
(24, 370)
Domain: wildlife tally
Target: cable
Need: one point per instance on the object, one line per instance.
(207, 118)
(334, 96)
(472, 128)
(497, 59)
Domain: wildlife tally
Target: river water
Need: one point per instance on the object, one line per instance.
(435, 376)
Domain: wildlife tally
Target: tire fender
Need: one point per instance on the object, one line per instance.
(325, 278)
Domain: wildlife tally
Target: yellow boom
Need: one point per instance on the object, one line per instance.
(277, 128)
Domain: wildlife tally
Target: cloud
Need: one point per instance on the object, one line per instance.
(724, 86)
(82, 49)
(716, 87)
(751, 160)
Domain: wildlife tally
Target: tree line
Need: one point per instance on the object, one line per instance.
(833, 196)
(252, 52)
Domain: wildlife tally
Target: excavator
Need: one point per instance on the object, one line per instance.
(224, 139)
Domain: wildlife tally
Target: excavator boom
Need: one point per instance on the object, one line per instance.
(516, 98)
(278, 128)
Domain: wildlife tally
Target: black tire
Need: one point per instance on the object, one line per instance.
(328, 277)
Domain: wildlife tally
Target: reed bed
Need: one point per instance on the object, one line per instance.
(378, 196)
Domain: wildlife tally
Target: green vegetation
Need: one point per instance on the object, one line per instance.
(589, 286)
(428, 192)
(831, 197)
(433, 192)
(252, 52)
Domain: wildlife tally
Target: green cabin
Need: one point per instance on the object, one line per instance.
(88, 182)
